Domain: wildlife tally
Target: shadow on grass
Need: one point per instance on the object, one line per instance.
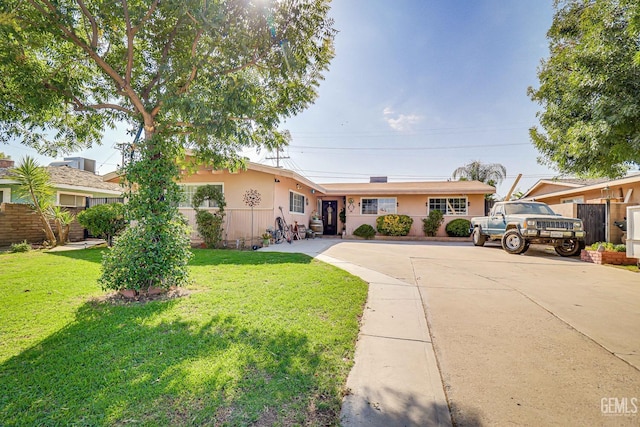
(203, 257)
(116, 365)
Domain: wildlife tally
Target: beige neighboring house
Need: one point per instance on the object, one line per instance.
(73, 188)
(574, 197)
(285, 193)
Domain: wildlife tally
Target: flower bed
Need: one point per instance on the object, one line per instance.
(607, 257)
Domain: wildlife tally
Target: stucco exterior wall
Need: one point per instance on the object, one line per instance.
(545, 188)
(274, 193)
(413, 205)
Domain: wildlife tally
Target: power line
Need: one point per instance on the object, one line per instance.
(448, 147)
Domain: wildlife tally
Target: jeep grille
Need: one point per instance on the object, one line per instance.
(554, 225)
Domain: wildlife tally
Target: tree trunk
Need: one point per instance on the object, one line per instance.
(48, 231)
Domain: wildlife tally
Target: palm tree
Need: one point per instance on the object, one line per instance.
(34, 183)
(489, 173)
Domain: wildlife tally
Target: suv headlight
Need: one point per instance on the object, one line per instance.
(577, 225)
(530, 223)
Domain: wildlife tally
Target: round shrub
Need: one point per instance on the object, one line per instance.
(365, 230)
(459, 227)
(394, 225)
(104, 221)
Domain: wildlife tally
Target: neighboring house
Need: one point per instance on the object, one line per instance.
(72, 188)
(577, 198)
(287, 194)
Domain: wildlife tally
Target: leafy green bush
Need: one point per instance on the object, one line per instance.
(432, 223)
(365, 230)
(20, 247)
(209, 224)
(156, 252)
(608, 247)
(104, 221)
(459, 227)
(394, 225)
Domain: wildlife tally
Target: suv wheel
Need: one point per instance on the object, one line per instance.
(568, 248)
(478, 237)
(513, 242)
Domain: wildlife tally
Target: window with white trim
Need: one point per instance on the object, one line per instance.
(378, 206)
(72, 200)
(296, 202)
(577, 199)
(189, 190)
(5, 195)
(449, 205)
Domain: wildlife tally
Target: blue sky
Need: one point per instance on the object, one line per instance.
(417, 88)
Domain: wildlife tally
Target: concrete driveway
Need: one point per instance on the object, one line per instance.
(531, 339)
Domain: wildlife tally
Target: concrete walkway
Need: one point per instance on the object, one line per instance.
(84, 244)
(395, 380)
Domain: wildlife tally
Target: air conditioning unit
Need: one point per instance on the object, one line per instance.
(77, 163)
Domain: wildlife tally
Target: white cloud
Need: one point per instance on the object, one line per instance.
(400, 122)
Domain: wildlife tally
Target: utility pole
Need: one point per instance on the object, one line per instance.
(277, 157)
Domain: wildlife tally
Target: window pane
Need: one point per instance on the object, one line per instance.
(67, 200)
(457, 206)
(449, 206)
(387, 206)
(438, 204)
(188, 191)
(369, 206)
(296, 202)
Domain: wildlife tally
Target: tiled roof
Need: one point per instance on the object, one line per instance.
(580, 181)
(66, 175)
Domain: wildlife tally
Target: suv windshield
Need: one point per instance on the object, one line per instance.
(528, 208)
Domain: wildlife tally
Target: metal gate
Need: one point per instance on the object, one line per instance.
(594, 218)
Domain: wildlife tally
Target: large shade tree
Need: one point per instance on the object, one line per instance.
(589, 86)
(210, 76)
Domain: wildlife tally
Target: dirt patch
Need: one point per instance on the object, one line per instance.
(118, 298)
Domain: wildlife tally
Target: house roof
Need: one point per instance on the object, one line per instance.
(566, 182)
(596, 184)
(424, 187)
(67, 177)
(284, 173)
(376, 188)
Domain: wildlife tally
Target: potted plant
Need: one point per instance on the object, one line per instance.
(343, 219)
(266, 238)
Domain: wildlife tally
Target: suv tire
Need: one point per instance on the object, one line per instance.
(513, 242)
(478, 237)
(568, 248)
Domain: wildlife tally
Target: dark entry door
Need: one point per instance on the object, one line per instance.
(593, 217)
(330, 217)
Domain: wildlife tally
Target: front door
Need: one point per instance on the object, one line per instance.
(330, 217)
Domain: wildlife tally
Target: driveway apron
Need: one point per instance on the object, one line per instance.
(530, 339)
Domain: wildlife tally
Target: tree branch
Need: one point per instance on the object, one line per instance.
(194, 69)
(122, 87)
(104, 106)
(165, 52)
(94, 26)
(127, 20)
(146, 17)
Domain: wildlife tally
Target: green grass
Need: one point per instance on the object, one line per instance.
(262, 339)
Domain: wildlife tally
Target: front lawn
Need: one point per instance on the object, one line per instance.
(261, 339)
